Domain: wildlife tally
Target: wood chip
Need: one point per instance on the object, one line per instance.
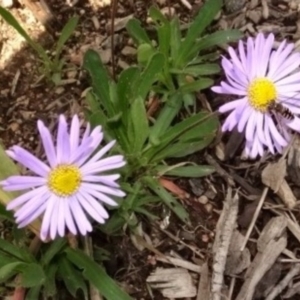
(273, 176)
(173, 283)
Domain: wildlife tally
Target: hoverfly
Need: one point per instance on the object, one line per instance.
(279, 109)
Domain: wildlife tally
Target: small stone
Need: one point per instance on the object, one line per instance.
(128, 51)
(208, 207)
(233, 6)
(105, 55)
(122, 64)
(203, 199)
(120, 23)
(59, 90)
(96, 22)
(71, 74)
(254, 16)
(168, 11)
(7, 3)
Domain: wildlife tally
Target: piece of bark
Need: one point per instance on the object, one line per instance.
(271, 243)
(224, 230)
(273, 176)
(237, 260)
(204, 284)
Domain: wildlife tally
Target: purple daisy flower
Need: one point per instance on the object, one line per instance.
(262, 77)
(71, 186)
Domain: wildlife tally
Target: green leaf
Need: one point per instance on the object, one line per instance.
(157, 16)
(197, 85)
(167, 198)
(33, 293)
(71, 277)
(206, 15)
(191, 129)
(55, 247)
(186, 171)
(138, 116)
(165, 117)
(164, 38)
(137, 32)
(144, 83)
(50, 282)
(215, 39)
(66, 33)
(9, 270)
(32, 275)
(96, 275)
(10, 19)
(212, 56)
(205, 129)
(125, 90)
(198, 70)
(114, 224)
(6, 259)
(144, 53)
(175, 38)
(100, 80)
(17, 252)
(182, 149)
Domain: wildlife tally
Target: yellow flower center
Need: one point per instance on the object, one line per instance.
(64, 180)
(261, 93)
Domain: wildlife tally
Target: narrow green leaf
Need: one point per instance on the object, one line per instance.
(167, 198)
(149, 75)
(9, 270)
(216, 38)
(100, 80)
(212, 56)
(50, 282)
(175, 38)
(32, 275)
(66, 33)
(199, 70)
(55, 247)
(17, 252)
(10, 19)
(197, 85)
(157, 16)
(205, 16)
(125, 90)
(71, 277)
(33, 293)
(6, 259)
(96, 275)
(165, 117)
(164, 38)
(114, 224)
(187, 171)
(205, 129)
(182, 149)
(185, 128)
(138, 116)
(137, 32)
